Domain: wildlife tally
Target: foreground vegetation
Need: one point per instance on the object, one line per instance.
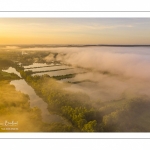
(127, 114)
(14, 106)
(73, 106)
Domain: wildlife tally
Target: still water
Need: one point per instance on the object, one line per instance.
(12, 70)
(35, 101)
(61, 72)
(36, 65)
(48, 68)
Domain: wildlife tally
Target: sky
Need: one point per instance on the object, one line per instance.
(126, 31)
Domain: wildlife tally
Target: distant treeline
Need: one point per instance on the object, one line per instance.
(74, 45)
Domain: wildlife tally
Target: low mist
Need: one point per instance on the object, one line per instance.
(113, 72)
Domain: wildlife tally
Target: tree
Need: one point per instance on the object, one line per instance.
(90, 126)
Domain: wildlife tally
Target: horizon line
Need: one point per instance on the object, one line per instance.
(77, 45)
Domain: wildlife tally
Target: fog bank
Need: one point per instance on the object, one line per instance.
(113, 70)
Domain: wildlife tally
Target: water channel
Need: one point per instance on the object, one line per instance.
(35, 100)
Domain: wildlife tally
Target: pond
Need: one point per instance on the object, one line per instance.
(37, 65)
(60, 72)
(48, 68)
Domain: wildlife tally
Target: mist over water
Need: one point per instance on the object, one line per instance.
(111, 72)
(114, 72)
(112, 83)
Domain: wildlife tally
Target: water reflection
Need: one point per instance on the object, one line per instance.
(36, 101)
(36, 65)
(12, 70)
(48, 68)
(60, 72)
